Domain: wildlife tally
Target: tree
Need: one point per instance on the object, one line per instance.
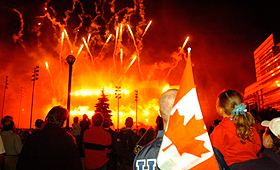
(103, 106)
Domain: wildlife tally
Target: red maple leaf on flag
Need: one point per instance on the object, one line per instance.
(183, 136)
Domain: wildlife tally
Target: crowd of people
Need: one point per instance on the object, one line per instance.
(243, 139)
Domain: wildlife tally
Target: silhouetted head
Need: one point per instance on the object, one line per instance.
(97, 119)
(106, 123)
(8, 124)
(76, 119)
(85, 117)
(57, 115)
(129, 122)
(39, 123)
(166, 102)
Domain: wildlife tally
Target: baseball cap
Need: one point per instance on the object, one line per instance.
(274, 126)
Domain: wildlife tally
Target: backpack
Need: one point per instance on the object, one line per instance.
(124, 146)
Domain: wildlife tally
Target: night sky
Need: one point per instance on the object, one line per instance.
(223, 36)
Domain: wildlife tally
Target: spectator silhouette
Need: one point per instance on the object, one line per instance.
(125, 143)
(97, 144)
(76, 132)
(52, 147)
(12, 143)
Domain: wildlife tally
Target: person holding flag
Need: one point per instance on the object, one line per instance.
(147, 156)
(186, 144)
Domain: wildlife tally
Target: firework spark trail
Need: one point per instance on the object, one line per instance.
(88, 38)
(47, 67)
(132, 61)
(121, 58)
(68, 40)
(178, 57)
(17, 36)
(182, 52)
(91, 57)
(61, 48)
(79, 51)
(146, 29)
(115, 50)
(137, 51)
(100, 53)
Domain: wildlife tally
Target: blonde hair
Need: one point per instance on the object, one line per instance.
(226, 103)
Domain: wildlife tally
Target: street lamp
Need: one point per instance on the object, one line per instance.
(118, 96)
(136, 100)
(34, 78)
(5, 88)
(70, 60)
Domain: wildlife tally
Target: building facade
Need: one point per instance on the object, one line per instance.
(265, 92)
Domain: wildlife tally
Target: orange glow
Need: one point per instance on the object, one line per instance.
(278, 85)
(276, 81)
(81, 110)
(146, 29)
(167, 87)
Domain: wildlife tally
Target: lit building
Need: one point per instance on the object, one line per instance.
(265, 92)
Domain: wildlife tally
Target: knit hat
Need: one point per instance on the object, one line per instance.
(274, 126)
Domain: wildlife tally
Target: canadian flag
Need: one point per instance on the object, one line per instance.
(186, 143)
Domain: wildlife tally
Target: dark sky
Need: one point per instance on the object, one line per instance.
(223, 36)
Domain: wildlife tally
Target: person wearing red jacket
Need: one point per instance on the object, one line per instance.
(235, 137)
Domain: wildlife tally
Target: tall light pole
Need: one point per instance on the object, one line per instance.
(34, 78)
(136, 100)
(70, 60)
(5, 88)
(19, 111)
(118, 96)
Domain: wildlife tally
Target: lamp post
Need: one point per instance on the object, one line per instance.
(136, 100)
(70, 60)
(118, 96)
(34, 78)
(21, 96)
(5, 88)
